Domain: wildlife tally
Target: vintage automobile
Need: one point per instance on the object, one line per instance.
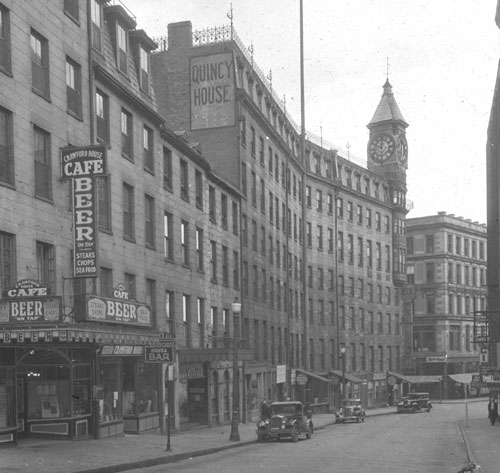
(351, 411)
(414, 402)
(288, 419)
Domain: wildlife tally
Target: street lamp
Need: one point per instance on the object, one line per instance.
(235, 435)
(342, 355)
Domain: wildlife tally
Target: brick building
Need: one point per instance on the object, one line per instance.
(323, 246)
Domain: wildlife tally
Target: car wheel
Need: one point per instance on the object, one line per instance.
(309, 432)
(295, 435)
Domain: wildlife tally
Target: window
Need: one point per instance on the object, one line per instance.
(319, 201)
(244, 179)
(410, 245)
(198, 190)
(359, 214)
(147, 143)
(46, 265)
(131, 286)
(128, 212)
(340, 246)
(225, 266)
(168, 243)
(104, 202)
(243, 131)
(40, 64)
(43, 165)
(6, 149)
(149, 221)
(378, 223)
(349, 211)
(340, 208)
(236, 270)
(127, 134)
(184, 177)
(73, 87)
(368, 217)
(145, 68)
(7, 261)
(199, 249)
(429, 243)
(458, 246)
(223, 207)
(185, 243)
(71, 9)
(105, 282)
(121, 41)
(360, 252)
(102, 116)
(211, 204)
(167, 168)
(96, 16)
(5, 64)
(235, 218)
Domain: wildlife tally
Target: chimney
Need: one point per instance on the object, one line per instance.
(180, 35)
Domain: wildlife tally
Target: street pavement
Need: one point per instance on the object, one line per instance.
(128, 452)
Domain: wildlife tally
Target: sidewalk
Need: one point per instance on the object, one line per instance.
(116, 454)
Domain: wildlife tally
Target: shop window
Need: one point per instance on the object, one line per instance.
(7, 397)
(140, 387)
(47, 383)
(111, 380)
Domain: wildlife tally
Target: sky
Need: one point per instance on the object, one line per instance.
(440, 56)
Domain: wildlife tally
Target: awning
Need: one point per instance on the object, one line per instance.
(424, 379)
(463, 378)
(412, 379)
(313, 375)
(347, 376)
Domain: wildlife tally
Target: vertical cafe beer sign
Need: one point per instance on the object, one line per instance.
(212, 84)
(81, 165)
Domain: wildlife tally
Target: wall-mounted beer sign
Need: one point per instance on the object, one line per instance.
(81, 165)
(29, 301)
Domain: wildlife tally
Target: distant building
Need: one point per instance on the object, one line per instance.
(323, 246)
(446, 270)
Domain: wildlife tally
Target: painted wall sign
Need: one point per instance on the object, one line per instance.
(212, 85)
(102, 309)
(81, 165)
(27, 288)
(191, 371)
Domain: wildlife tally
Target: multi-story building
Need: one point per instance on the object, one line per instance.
(493, 220)
(446, 270)
(323, 247)
(114, 231)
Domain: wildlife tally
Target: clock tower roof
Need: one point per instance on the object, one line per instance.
(387, 109)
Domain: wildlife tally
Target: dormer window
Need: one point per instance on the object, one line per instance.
(121, 41)
(144, 70)
(96, 15)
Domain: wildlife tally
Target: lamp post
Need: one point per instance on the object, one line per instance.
(235, 435)
(342, 355)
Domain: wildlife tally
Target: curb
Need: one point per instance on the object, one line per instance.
(468, 447)
(163, 460)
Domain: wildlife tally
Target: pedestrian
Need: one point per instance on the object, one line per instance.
(492, 410)
(265, 410)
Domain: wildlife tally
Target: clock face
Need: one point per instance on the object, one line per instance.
(381, 147)
(402, 150)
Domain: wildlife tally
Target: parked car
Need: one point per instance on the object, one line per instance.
(351, 411)
(288, 419)
(414, 402)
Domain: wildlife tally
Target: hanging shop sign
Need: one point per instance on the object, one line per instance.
(212, 82)
(163, 353)
(29, 301)
(81, 165)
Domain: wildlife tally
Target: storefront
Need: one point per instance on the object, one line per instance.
(74, 380)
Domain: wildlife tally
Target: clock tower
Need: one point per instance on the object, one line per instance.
(388, 157)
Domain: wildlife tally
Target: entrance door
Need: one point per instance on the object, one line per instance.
(21, 403)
